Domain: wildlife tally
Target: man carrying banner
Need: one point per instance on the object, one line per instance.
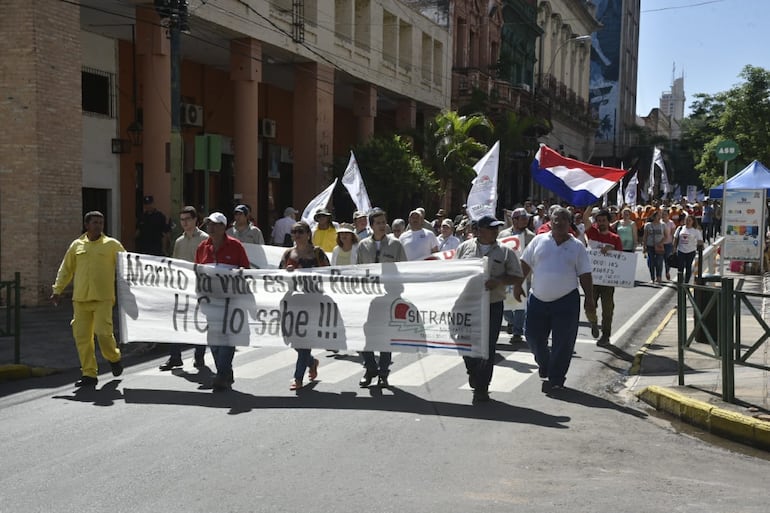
(601, 237)
(504, 269)
(380, 247)
(221, 250)
(558, 261)
(520, 221)
(91, 260)
(184, 249)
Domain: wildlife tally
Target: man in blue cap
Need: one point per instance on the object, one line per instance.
(504, 270)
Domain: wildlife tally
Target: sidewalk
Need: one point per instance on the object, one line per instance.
(47, 346)
(653, 377)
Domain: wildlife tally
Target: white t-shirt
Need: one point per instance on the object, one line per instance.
(418, 244)
(688, 239)
(555, 267)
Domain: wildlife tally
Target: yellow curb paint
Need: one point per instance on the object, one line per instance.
(637, 363)
(13, 372)
(728, 424)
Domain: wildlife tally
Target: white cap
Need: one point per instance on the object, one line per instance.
(216, 217)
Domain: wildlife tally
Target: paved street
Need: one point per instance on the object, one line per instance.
(158, 441)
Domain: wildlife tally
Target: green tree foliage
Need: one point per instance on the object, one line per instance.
(451, 148)
(741, 114)
(394, 176)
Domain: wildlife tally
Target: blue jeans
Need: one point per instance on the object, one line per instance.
(654, 264)
(479, 368)
(304, 360)
(516, 319)
(685, 264)
(223, 359)
(175, 351)
(560, 319)
(667, 250)
(383, 369)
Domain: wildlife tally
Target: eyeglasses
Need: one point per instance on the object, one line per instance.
(294, 232)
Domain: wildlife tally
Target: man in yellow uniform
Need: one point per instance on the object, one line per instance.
(91, 260)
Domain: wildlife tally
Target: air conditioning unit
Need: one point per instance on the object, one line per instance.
(191, 115)
(268, 128)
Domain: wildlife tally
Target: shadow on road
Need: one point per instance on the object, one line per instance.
(396, 400)
(570, 395)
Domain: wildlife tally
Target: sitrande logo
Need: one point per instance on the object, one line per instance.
(405, 316)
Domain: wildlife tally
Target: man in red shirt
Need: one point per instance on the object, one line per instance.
(227, 252)
(600, 237)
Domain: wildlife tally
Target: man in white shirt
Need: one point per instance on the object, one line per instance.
(282, 228)
(558, 262)
(418, 242)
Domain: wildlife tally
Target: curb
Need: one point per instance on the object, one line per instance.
(637, 363)
(725, 423)
(15, 372)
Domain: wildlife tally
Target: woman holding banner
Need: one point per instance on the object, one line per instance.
(303, 256)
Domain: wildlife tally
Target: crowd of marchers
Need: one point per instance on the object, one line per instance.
(552, 241)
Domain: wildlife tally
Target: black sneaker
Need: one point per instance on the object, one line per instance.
(516, 339)
(200, 362)
(117, 368)
(170, 364)
(86, 382)
(221, 383)
(367, 379)
(595, 330)
(604, 341)
(382, 381)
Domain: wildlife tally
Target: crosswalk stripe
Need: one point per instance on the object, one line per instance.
(506, 379)
(264, 365)
(338, 370)
(424, 369)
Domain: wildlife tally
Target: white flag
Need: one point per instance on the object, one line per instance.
(631, 190)
(482, 198)
(657, 158)
(651, 183)
(318, 203)
(619, 194)
(354, 183)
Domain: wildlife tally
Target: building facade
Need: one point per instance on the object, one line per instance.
(614, 64)
(672, 105)
(271, 92)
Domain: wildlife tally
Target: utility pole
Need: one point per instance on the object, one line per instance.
(175, 13)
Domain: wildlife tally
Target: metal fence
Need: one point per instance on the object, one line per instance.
(10, 312)
(728, 321)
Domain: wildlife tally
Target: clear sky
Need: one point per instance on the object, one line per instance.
(710, 41)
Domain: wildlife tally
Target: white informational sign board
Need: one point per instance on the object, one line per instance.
(744, 218)
(615, 269)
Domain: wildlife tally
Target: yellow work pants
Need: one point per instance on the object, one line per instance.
(93, 318)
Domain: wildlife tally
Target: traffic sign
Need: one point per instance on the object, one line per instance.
(727, 150)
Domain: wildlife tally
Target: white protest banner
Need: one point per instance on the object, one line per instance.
(406, 306)
(317, 203)
(354, 183)
(744, 212)
(615, 269)
(482, 198)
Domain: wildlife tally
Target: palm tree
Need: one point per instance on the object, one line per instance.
(452, 150)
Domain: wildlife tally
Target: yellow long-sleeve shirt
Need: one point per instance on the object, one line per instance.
(92, 263)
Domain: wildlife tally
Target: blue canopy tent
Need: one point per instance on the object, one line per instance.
(753, 176)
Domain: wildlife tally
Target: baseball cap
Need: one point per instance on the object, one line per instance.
(289, 211)
(357, 214)
(243, 209)
(518, 212)
(322, 212)
(447, 222)
(489, 222)
(216, 217)
(416, 211)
